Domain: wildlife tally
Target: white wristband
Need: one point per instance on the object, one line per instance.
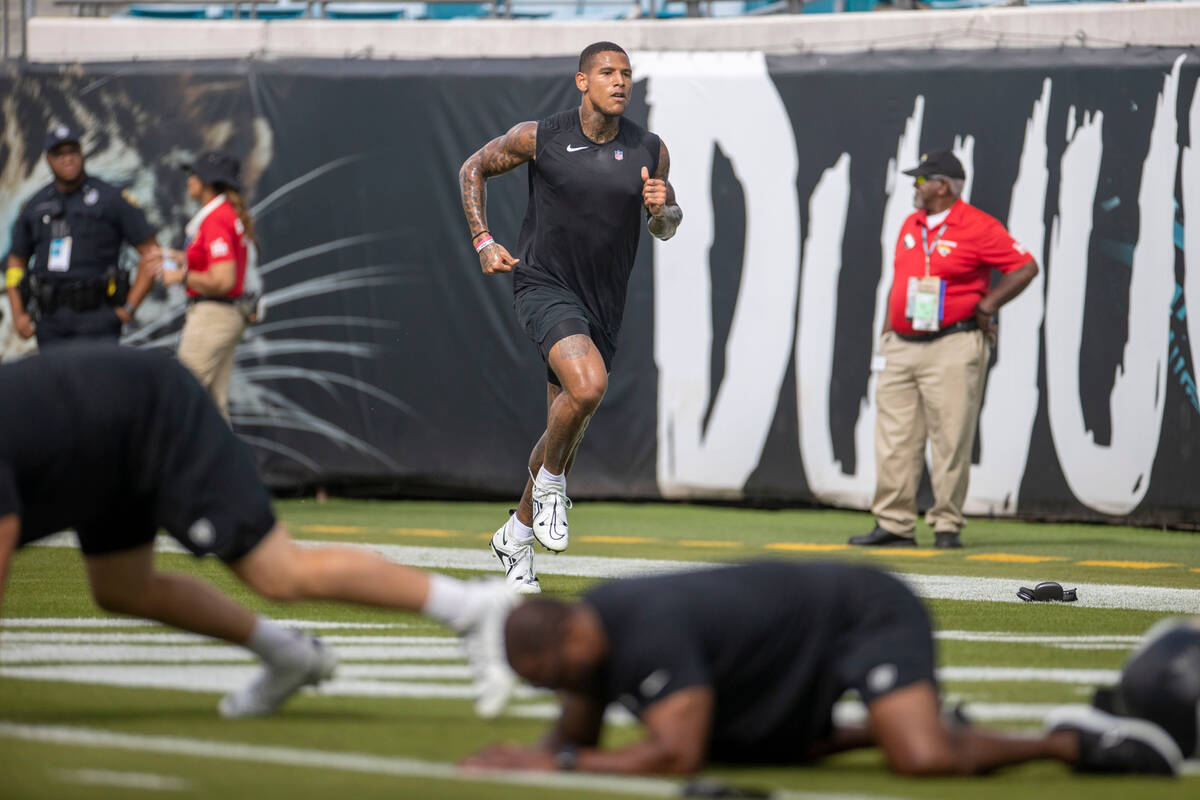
(484, 242)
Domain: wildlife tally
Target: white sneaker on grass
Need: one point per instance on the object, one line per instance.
(483, 639)
(311, 664)
(517, 558)
(550, 504)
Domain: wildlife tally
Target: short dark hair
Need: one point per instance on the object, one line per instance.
(535, 626)
(595, 49)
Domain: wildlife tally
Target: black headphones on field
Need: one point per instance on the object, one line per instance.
(1047, 591)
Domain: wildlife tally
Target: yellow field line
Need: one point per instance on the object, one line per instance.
(333, 529)
(616, 539)
(806, 547)
(1128, 564)
(803, 547)
(1014, 558)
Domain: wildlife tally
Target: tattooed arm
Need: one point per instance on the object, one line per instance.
(659, 197)
(495, 158)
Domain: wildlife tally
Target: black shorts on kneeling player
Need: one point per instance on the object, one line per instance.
(117, 443)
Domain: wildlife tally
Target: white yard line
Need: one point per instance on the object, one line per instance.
(1057, 641)
(195, 638)
(129, 622)
(397, 680)
(124, 780)
(1033, 638)
(1089, 677)
(358, 762)
(33, 653)
(943, 587)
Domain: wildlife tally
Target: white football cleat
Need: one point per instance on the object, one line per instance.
(483, 639)
(312, 664)
(550, 504)
(517, 559)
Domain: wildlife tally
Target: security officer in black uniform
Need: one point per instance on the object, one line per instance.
(72, 230)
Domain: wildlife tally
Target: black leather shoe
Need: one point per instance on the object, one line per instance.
(946, 539)
(881, 538)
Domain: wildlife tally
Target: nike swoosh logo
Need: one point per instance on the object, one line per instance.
(571, 149)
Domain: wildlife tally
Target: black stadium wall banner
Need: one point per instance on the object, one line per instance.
(388, 363)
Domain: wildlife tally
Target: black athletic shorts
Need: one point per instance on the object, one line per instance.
(208, 495)
(550, 315)
(890, 646)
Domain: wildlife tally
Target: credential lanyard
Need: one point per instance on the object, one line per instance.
(929, 248)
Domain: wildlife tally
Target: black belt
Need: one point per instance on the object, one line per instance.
(194, 300)
(78, 296)
(971, 324)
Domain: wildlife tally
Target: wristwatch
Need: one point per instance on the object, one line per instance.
(129, 309)
(567, 757)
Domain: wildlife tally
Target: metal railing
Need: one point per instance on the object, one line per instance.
(6, 29)
(496, 9)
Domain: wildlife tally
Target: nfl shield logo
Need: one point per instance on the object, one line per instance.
(619, 155)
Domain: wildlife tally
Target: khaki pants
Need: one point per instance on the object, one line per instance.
(927, 389)
(210, 337)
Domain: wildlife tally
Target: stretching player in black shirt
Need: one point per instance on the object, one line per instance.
(591, 173)
(127, 441)
(744, 664)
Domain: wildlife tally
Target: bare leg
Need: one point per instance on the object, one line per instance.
(563, 413)
(580, 370)
(908, 728)
(281, 570)
(126, 583)
(525, 507)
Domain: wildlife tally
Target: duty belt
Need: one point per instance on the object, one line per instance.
(109, 289)
(966, 325)
(81, 296)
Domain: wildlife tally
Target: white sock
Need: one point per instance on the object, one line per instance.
(546, 475)
(447, 601)
(272, 642)
(521, 533)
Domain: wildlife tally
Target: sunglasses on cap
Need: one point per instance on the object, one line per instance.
(921, 180)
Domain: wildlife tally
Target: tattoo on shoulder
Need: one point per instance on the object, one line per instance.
(510, 150)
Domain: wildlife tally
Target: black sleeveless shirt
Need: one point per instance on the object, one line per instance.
(585, 217)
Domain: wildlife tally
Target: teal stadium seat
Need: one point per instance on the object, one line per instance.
(949, 5)
(457, 10)
(153, 11)
(364, 11)
(274, 11)
(264, 11)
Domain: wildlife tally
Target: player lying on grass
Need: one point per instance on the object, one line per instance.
(117, 443)
(744, 664)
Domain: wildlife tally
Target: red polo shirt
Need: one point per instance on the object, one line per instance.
(972, 244)
(220, 238)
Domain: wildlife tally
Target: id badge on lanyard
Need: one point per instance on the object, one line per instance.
(59, 259)
(926, 297)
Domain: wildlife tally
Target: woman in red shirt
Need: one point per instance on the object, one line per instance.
(214, 273)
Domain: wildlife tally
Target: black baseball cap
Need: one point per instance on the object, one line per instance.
(61, 134)
(938, 162)
(217, 167)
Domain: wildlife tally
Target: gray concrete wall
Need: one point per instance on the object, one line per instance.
(63, 39)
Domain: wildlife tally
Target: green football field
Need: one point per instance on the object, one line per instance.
(100, 707)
